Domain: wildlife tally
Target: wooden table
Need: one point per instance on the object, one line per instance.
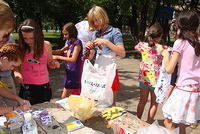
(127, 122)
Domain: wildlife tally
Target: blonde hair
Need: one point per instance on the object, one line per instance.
(98, 13)
(7, 20)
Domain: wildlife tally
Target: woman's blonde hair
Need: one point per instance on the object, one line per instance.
(97, 12)
(7, 20)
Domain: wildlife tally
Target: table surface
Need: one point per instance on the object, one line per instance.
(60, 117)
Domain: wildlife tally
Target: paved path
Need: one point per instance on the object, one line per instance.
(128, 96)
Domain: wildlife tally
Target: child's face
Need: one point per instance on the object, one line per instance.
(97, 24)
(65, 35)
(4, 36)
(9, 65)
(28, 38)
(158, 40)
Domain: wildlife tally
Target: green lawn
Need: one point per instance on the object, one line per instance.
(53, 37)
(57, 41)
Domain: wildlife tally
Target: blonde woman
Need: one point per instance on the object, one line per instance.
(108, 40)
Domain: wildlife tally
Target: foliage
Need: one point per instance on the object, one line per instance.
(138, 15)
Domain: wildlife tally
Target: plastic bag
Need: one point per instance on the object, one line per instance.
(82, 108)
(97, 83)
(155, 128)
(162, 86)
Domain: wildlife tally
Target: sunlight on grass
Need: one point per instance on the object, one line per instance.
(51, 36)
(58, 42)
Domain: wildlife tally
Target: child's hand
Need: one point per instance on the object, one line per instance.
(24, 102)
(18, 77)
(90, 45)
(54, 64)
(100, 41)
(165, 53)
(23, 107)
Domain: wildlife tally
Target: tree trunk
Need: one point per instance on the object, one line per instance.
(133, 22)
(155, 12)
(143, 23)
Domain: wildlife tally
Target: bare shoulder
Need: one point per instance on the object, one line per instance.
(47, 44)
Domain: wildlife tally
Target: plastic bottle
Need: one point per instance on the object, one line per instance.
(30, 126)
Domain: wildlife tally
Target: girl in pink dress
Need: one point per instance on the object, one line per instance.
(183, 106)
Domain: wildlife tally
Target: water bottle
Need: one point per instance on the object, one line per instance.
(30, 126)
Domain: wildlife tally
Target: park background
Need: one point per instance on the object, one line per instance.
(132, 17)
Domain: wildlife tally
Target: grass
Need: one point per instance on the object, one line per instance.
(52, 36)
(57, 41)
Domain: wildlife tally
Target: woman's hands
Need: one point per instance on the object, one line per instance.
(98, 42)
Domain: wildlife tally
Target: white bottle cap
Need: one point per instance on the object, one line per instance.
(28, 116)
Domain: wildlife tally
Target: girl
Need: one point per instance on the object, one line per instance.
(73, 60)
(11, 57)
(149, 69)
(33, 74)
(108, 39)
(183, 106)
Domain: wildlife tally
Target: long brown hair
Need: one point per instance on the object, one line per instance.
(71, 29)
(30, 25)
(187, 24)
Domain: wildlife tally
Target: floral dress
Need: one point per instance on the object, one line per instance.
(150, 64)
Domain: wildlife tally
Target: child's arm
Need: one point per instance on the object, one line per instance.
(10, 95)
(170, 64)
(60, 51)
(118, 48)
(137, 47)
(77, 50)
(51, 63)
(17, 75)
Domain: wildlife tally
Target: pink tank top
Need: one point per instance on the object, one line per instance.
(35, 71)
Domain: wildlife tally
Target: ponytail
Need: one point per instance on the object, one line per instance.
(155, 31)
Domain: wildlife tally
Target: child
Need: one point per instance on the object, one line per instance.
(73, 60)
(108, 39)
(183, 106)
(7, 24)
(11, 57)
(149, 69)
(33, 73)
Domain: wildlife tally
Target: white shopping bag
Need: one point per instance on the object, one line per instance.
(162, 86)
(97, 83)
